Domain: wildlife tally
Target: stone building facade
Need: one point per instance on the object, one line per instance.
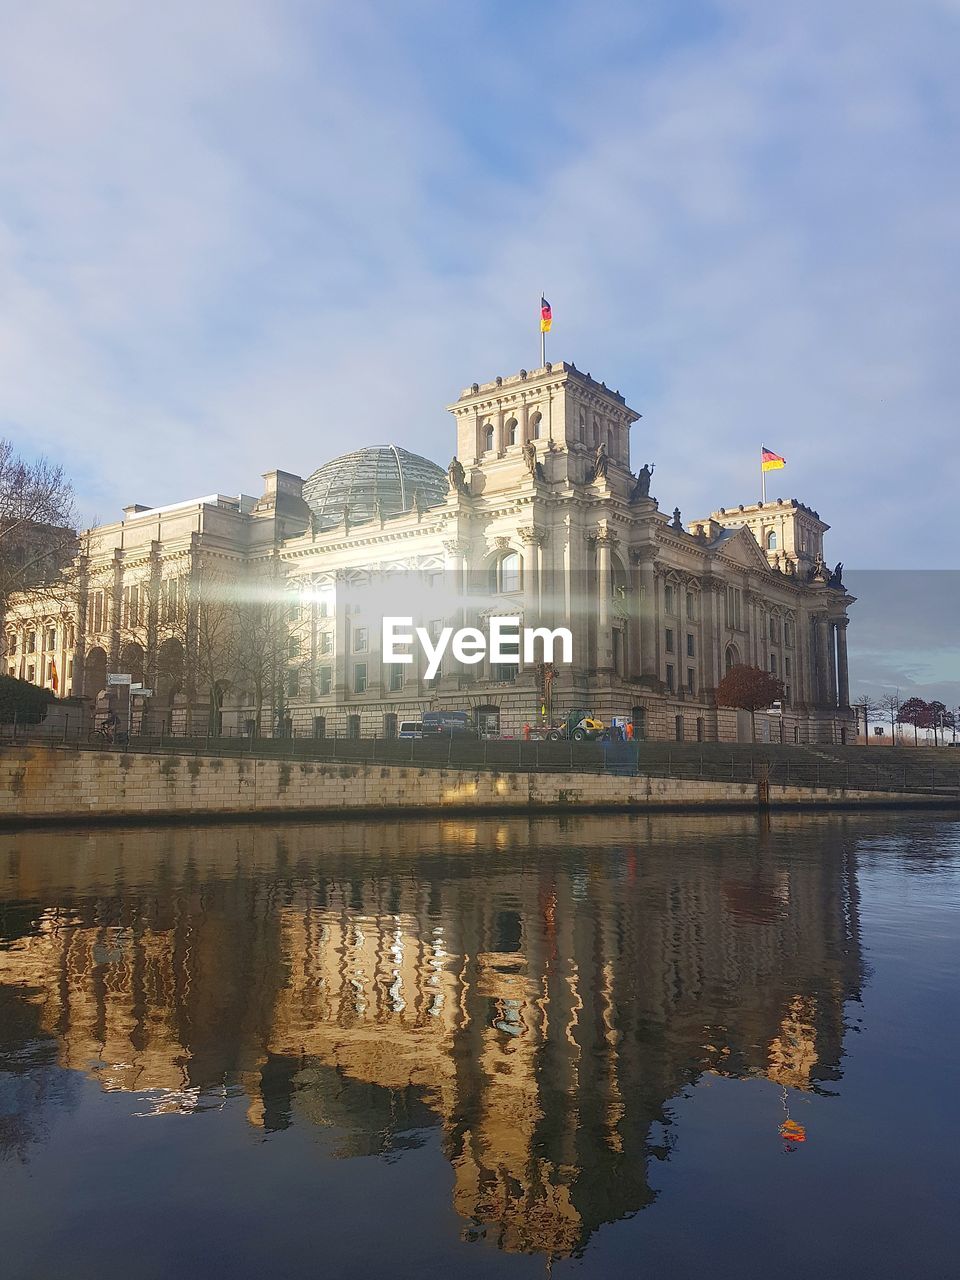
(540, 517)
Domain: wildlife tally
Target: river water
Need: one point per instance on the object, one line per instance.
(704, 1045)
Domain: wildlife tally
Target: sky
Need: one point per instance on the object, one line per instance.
(248, 235)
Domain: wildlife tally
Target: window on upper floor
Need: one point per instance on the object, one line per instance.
(360, 677)
(511, 431)
(691, 607)
(772, 540)
(669, 639)
(690, 646)
(325, 675)
(733, 603)
(360, 640)
(536, 426)
(505, 574)
(668, 598)
(488, 438)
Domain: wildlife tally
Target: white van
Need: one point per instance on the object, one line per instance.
(410, 729)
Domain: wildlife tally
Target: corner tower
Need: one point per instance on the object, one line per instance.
(556, 408)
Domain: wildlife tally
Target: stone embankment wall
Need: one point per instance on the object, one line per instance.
(57, 784)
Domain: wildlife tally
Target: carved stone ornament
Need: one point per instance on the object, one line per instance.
(502, 543)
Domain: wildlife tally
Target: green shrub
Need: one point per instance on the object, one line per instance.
(22, 701)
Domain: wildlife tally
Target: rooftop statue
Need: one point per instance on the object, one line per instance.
(456, 476)
(642, 488)
(601, 462)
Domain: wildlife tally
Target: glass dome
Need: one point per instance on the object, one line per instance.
(356, 480)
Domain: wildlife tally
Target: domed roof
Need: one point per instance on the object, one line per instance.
(356, 480)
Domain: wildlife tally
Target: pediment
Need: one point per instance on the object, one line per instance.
(740, 548)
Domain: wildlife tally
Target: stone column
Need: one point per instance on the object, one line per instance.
(843, 673)
(454, 572)
(80, 637)
(153, 615)
(116, 605)
(646, 560)
(708, 636)
(605, 589)
(824, 633)
(531, 539)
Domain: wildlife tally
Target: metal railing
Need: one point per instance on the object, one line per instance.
(842, 768)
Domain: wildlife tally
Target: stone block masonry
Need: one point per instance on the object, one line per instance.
(64, 785)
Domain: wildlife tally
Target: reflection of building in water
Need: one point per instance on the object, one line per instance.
(544, 1006)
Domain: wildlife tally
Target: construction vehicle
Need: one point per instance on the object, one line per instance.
(579, 726)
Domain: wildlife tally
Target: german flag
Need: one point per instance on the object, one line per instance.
(54, 678)
(546, 315)
(770, 461)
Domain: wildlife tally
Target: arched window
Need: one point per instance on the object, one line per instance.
(731, 658)
(488, 438)
(510, 431)
(505, 574)
(772, 540)
(536, 426)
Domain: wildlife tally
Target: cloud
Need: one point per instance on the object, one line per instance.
(235, 237)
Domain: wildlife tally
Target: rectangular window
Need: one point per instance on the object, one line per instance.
(170, 599)
(293, 647)
(51, 637)
(787, 667)
(31, 673)
(690, 648)
(360, 640)
(669, 640)
(691, 679)
(325, 673)
(325, 642)
(773, 664)
(96, 611)
(668, 599)
(131, 607)
(788, 635)
(502, 672)
(360, 677)
(293, 683)
(733, 608)
(31, 642)
(671, 685)
(395, 677)
(690, 607)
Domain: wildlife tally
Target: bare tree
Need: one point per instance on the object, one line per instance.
(890, 704)
(869, 709)
(37, 518)
(272, 650)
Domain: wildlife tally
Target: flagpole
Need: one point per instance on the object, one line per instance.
(763, 482)
(543, 336)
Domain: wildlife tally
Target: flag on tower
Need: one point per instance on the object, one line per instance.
(770, 461)
(546, 315)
